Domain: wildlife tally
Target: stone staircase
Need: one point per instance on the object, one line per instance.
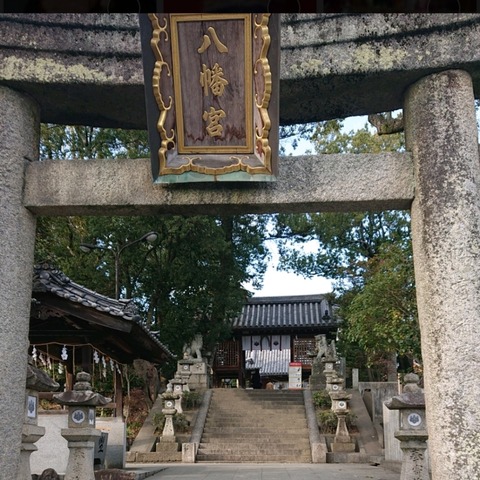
(257, 426)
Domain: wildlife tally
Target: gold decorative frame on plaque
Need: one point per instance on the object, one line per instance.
(212, 84)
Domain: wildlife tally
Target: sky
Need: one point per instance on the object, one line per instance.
(284, 283)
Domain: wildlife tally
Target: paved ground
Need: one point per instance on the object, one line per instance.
(268, 472)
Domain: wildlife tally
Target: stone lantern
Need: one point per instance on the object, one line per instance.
(81, 433)
(343, 441)
(37, 381)
(169, 410)
(179, 385)
(329, 360)
(334, 382)
(168, 446)
(413, 429)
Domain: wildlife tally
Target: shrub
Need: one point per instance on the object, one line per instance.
(191, 399)
(327, 421)
(321, 399)
(180, 422)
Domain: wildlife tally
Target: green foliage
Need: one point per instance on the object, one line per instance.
(345, 242)
(383, 313)
(327, 421)
(180, 422)
(191, 399)
(321, 399)
(326, 418)
(328, 137)
(85, 142)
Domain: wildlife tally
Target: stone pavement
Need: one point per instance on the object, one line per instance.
(289, 471)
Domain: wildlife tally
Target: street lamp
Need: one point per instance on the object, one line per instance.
(149, 237)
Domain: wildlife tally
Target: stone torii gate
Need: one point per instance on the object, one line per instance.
(75, 69)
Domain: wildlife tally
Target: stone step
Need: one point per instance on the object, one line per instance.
(255, 426)
(284, 442)
(258, 401)
(255, 407)
(268, 427)
(263, 397)
(255, 444)
(274, 412)
(271, 458)
(296, 422)
(234, 406)
(253, 430)
(252, 450)
(275, 434)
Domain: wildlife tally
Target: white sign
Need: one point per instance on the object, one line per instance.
(295, 375)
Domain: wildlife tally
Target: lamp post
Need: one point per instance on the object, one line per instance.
(149, 237)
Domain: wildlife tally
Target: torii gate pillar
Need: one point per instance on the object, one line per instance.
(19, 141)
(441, 133)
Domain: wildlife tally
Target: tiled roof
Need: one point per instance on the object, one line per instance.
(293, 312)
(47, 279)
(269, 362)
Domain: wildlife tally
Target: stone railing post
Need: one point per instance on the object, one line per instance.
(413, 429)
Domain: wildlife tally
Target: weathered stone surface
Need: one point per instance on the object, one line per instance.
(306, 184)
(130, 457)
(334, 66)
(19, 133)
(159, 457)
(114, 474)
(342, 447)
(442, 135)
(82, 64)
(87, 69)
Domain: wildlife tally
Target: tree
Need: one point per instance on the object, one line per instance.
(367, 254)
(382, 314)
(189, 281)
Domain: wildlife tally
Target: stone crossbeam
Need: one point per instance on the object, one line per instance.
(87, 69)
(343, 182)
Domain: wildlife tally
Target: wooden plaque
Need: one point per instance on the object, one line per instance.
(211, 88)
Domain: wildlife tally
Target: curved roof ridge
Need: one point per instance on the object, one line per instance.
(48, 278)
(287, 298)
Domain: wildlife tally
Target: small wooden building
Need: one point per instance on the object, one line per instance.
(270, 333)
(80, 328)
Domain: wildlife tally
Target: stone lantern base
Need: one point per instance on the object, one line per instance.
(30, 434)
(342, 447)
(81, 443)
